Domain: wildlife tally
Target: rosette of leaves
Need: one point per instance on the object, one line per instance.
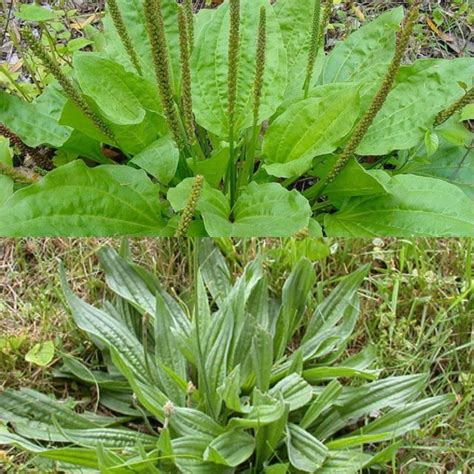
(288, 126)
(236, 381)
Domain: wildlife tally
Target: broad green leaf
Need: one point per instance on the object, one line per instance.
(81, 201)
(416, 206)
(134, 18)
(297, 41)
(260, 415)
(355, 402)
(450, 163)
(34, 12)
(214, 168)
(6, 151)
(131, 139)
(80, 145)
(322, 402)
(188, 456)
(261, 210)
(209, 65)
(160, 159)
(231, 448)
(431, 142)
(310, 128)
(190, 422)
(364, 57)
(467, 113)
(306, 453)
(77, 44)
(421, 91)
(121, 96)
(294, 390)
(6, 189)
(353, 180)
(35, 123)
(41, 354)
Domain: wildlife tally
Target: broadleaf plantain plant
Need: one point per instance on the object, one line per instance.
(286, 137)
(234, 381)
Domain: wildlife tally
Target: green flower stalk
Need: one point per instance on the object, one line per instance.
(159, 46)
(187, 101)
(233, 74)
(122, 31)
(69, 88)
(188, 9)
(260, 64)
(325, 21)
(234, 44)
(314, 45)
(457, 106)
(18, 176)
(39, 160)
(190, 209)
(246, 173)
(377, 103)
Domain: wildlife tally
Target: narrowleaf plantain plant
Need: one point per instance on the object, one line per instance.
(234, 381)
(285, 136)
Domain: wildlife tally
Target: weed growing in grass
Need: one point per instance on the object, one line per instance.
(232, 381)
(288, 139)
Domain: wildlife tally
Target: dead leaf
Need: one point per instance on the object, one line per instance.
(358, 13)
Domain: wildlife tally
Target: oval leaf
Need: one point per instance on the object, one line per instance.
(416, 206)
(210, 69)
(82, 201)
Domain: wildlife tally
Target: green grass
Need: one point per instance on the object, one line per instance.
(417, 310)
